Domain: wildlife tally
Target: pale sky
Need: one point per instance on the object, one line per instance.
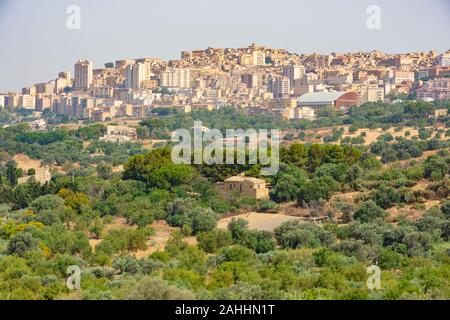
(35, 43)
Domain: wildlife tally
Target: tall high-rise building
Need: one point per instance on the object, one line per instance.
(83, 75)
(251, 80)
(135, 74)
(280, 87)
(13, 99)
(176, 78)
(293, 72)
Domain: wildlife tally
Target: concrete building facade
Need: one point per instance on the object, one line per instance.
(83, 75)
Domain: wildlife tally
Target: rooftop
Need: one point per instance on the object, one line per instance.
(243, 178)
(319, 97)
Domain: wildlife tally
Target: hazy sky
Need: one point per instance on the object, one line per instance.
(35, 43)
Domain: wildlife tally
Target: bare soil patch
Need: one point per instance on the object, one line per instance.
(411, 212)
(117, 223)
(158, 241)
(24, 162)
(259, 221)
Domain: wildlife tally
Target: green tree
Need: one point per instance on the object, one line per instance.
(213, 240)
(203, 220)
(386, 196)
(445, 208)
(369, 211)
(21, 243)
(295, 234)
(143, 132)
(260, 241)
(12, 172)
(104, 170)
(47, 202)
(97, 227)
(157, 170)
(238, 227)
(149, 288)
(320, 188)
(287, 183)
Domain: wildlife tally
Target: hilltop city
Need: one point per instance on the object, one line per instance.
(256, 79)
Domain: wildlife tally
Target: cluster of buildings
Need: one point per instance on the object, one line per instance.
(119, 134)
(256, 79)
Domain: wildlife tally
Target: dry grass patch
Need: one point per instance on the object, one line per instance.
(259, 221)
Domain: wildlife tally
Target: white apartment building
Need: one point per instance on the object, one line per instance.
(27, 101)
(102, 92)
(135, 74)
(280, 87)
(371, 93)
(176, 78)
(63, 105)
(293, 72)
(252, 80)
(82, 104)
(13, 99)
(83, 75)
(42, 103)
